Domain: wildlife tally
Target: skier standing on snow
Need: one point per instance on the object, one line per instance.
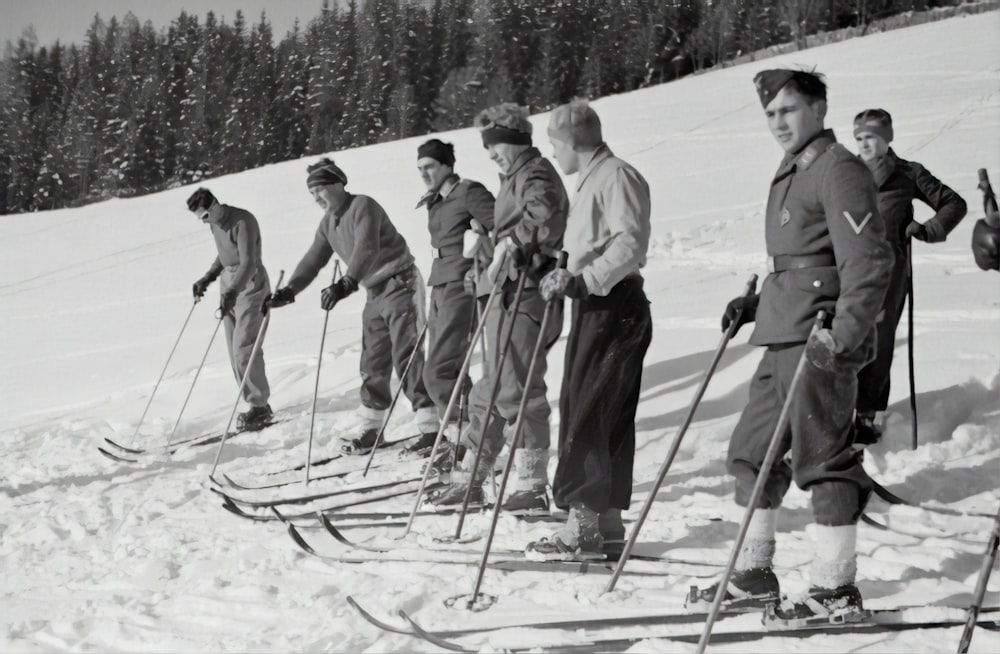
(827, 251)
(244, 287)
(607, 235)
(357, 229)
(452, 204)
(899, 183)
(529, 221)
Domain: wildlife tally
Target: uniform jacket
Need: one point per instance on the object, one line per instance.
(607, 233)
(362, 235)
(822, 201)
(899, 183)
(532, 200)
(448, 216)
(237, 239)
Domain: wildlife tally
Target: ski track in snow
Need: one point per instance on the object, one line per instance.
(100, 556)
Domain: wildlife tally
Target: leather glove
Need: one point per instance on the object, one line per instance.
(742, 310)
(228, 301)
(469, 282)
(280, 298)
(199, 287)
(917, 231)
(561, 283)
(501, 261)
(523, 255)
(986, 245)
(822, 349)
(336, 292)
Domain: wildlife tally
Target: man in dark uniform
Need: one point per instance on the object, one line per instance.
(452, 204)
(827, 251)
(244, 286)
(359, 231)
(899, 183)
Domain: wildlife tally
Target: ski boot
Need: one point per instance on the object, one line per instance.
(361, 445)
(867, 430)
(454, 494)
(748, 590)
(822, 605)
(534, 501)
(579, 540)
(255, 419)
(445, 458)
(420, 448)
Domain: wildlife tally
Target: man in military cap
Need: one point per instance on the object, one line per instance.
(827, 251)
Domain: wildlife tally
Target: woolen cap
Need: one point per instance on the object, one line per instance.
(439, 151)
(504, 123)
(876, 121)
(577, 124)
(324, 173)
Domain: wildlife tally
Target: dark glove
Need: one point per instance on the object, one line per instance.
(986, 245)
(917, 231)
(280, 298)
(228, 301)
(741, 310)
(561, 283)
(336, 292)
(200, 286)
(822, 349)
(469, 282)
(522, 255)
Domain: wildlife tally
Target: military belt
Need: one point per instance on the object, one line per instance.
(783, 262)
(447, 251)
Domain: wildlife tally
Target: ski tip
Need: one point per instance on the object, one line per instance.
(278, 514)
(422, 633)
(297, 537)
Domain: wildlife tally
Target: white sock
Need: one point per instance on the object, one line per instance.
(836, 562)
(758, 546)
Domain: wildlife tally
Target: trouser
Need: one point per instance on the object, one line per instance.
(513, 374)
(449, 323)
(818, 435)
(242, 327)
(600, 392)
(873, 380)
(390, 324)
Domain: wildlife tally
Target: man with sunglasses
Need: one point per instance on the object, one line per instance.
(244, 286)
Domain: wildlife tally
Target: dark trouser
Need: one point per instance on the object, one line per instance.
(242, 327)
(873, 380)
(600, 393)
(819, 435)
(449, 322)
(390, 324)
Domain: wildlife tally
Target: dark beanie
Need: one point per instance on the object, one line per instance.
(504, 123)
(438, 151)
(770, 82)
(876, 121)
(325, 172)
(200, 199)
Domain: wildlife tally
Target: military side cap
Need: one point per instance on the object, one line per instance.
(770, 82)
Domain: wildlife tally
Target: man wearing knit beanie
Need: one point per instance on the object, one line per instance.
(899, 183)
(607, 236)
(245, 287)
(529, 219)
(827, 252)
(357, 229)
(453, 204)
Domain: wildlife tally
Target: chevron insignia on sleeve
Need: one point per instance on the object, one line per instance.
(854, 225)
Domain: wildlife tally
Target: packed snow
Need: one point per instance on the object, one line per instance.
(103, 556)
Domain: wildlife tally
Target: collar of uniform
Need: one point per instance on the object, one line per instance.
(339, 212)
(883, 167)
(602, 153)
(448, 185)
(226, 220)
(522, 160)
(816, 147)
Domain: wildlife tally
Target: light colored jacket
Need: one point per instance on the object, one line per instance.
(607, 233)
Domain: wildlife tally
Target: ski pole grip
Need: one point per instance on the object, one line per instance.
(984, 178)
(751, 287)
(818, 323)
(563, 259)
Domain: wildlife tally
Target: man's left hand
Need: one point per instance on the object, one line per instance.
(916, 230)
(228, 301)
(561, 283)
(822, 349)
(336, 292)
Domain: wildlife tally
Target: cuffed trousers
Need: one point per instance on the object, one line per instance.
(241, 327)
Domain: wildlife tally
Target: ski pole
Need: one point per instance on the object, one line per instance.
(463, 402)
(494, 292)
(909, 341)
(758, 490)
(170, 439)
(515, 440)
(501, 358)
(748, 290)
(246, 375)
(163, 372)
(392, 405)
(990, 211)
(989, 558)
(319, 364)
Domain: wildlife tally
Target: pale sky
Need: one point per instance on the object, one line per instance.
(68, 20)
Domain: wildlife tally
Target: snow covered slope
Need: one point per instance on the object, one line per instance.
(96, 556)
